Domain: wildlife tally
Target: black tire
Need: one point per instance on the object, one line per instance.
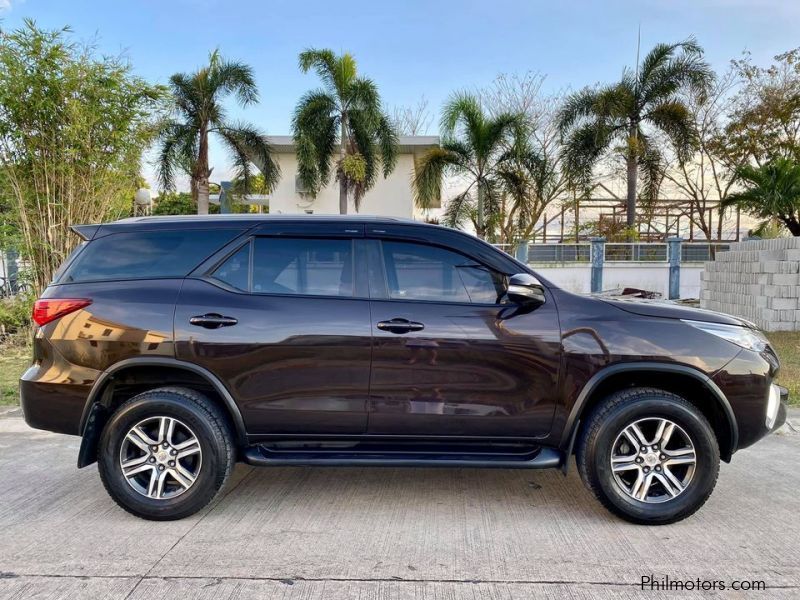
(605, 424)
(210, 427)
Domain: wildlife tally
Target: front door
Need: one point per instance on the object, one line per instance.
(451, 357)
(282, 322)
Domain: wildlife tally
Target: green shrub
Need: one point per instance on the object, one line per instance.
(15, 314)
(179, 203)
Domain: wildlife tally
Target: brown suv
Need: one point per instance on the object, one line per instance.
(176, 346)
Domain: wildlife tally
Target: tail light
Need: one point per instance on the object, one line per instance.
(50, 309)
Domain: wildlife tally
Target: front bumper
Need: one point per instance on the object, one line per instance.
(747, 382)
(782, 408)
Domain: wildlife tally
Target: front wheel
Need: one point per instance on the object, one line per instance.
(165, 453)
(649, 456)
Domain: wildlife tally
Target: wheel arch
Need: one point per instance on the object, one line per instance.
(691, 384)
(130, 376)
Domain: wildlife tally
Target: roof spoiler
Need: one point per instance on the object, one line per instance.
(86, 232)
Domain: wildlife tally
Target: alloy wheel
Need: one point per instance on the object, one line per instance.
(160, 457)
(653, 460)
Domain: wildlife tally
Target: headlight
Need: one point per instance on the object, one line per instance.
(741, 336)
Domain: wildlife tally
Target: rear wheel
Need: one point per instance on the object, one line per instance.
(165, 453)
(649, 456)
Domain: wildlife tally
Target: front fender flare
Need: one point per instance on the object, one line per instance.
(575, 415)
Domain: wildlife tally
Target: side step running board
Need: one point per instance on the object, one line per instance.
(544, 458)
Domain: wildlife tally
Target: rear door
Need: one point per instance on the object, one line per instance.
(283, 320)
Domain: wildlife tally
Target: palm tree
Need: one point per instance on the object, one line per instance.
(198, 112)
(345, 119)
(772, 191)
(475, 147)
(529, 182)
(619, 117)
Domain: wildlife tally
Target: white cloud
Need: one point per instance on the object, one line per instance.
(8, 5)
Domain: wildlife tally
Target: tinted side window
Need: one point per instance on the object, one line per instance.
(314, 267)
(420, 272)
(145, 254)
(235, 271)
(484, 286)
(77, 250)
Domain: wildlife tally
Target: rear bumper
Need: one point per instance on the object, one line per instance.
(52, 406)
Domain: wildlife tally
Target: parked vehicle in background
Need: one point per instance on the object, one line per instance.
(175, 346)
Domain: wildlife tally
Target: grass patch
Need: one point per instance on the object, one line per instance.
(787, 345)
(14, 359)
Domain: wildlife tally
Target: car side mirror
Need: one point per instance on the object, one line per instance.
(525, 290)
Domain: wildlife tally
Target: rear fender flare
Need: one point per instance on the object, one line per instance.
(95, 409)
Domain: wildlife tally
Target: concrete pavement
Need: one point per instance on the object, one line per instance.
(317, 533)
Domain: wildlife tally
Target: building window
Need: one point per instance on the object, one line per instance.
(299, 188)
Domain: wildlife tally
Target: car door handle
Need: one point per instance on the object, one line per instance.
(399, 325)
(213, 321)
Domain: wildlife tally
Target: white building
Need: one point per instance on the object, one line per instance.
(391, 197)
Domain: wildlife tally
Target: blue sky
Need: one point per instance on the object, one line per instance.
(411, 48)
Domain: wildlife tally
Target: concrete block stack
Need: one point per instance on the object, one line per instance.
(758, 280)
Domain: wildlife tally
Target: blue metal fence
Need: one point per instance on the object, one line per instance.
(581, 252)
